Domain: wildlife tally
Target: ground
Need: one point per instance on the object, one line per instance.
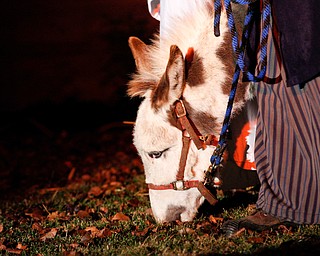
(79, 190)
(35, 155)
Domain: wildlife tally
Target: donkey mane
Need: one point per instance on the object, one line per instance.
(209, 75)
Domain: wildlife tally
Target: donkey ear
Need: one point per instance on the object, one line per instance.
(140, 84)
(172, 82)
(140, 53)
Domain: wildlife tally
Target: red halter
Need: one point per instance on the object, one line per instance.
(188, 133)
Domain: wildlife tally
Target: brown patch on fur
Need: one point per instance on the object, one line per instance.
(160, 94)
(172, 79)
(175, 54)
(204, 122)
(195, 75)
(225, 54)
(241, 90)
(172, 118)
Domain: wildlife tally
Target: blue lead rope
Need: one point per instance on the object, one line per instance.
(216, 158)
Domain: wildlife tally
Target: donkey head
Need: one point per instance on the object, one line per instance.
(158, 135)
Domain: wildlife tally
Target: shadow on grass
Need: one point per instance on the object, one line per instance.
(306, 247)
(230, 200)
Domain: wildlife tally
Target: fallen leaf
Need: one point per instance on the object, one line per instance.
(215, 220)
(37, 226)
(71, 173)
(21, 247)
(212, 219)
(120, 217)
(53, 215)
(1, 228)
(46, 190)
(132, 188)
(36, 214)
(86, 238)
(116, 184)
(14, 251)
(255, 240)
(134, 202)
(104, 209)
(284, 229)
(86, 177)
(140, 232)
(94, 231)
(51, 234)
(83, 214)
(125, 169)
(187, 230)
(70, 253)
(95, 191)
(239, 232)
(106, 232)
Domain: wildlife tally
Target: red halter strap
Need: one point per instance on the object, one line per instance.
(188, 133)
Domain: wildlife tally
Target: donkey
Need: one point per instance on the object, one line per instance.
(185, 83)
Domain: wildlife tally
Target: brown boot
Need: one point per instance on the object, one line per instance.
(258, 221)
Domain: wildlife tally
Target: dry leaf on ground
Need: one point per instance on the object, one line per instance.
(51, 234)
(120, 217)
(95, 191)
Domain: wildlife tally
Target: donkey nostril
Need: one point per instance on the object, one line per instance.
(174, 212)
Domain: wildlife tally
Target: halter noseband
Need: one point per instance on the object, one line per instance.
(189, 133)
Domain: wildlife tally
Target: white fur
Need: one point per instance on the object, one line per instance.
(153, 132)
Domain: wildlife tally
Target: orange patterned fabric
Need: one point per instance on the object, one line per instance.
(244, 147)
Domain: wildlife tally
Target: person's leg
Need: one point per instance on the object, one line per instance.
(287, 157)
(288, 151)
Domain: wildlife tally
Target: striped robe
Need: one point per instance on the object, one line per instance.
(287, 147)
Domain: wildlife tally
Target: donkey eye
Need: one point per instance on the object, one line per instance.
(155, 154)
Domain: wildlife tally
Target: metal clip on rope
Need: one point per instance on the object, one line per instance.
(213, 174)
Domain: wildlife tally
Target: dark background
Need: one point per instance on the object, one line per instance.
(63, 80)
(66, 63)
(64, 68)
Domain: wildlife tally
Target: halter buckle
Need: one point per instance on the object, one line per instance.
(179, 185)
(180, 109)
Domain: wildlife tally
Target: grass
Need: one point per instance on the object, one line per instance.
(96, 203)
(80, 219)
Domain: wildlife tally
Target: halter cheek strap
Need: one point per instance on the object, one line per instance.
(188, 133)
